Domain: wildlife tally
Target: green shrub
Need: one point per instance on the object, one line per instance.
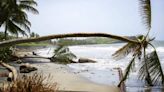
(5, 54)
(63, 55)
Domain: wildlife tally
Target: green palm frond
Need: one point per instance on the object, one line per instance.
(60, 50)
(15, 29)
(28, 8)
(146, 12)
(28, 2)
(127, 71)
(154, 68)
(62, 54)
(125, 50)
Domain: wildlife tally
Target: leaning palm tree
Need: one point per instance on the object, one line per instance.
(150, 69)
(62, 54)
(15, 20)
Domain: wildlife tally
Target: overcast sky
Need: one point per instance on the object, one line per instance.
(120, 17)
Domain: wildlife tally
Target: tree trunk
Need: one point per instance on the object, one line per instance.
(5, 33)
(18, 41)
(10, 69)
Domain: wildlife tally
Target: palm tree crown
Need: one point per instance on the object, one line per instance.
(15, 19)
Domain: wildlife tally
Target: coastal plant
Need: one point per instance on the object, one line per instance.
(5, 54)
(63, 55)
(150, 68)
(14, 17)
(31, 83)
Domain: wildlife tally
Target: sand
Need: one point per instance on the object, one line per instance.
(69, 81)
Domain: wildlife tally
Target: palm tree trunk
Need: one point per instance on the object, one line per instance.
(5, 33)
(18, 41)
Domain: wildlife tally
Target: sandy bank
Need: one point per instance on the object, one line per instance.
(69, 81)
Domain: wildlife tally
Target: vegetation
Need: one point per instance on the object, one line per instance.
(150, 67)
(63, 55)
(5, 54)
(33, 44)
(14, 17)
(34, 83)
(92, 40)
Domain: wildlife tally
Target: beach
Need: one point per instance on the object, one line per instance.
(67, 80)
(63, 75)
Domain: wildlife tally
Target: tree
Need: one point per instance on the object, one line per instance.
(150, 69)
(14, 15)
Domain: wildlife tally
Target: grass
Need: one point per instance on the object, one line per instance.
(33, 44)
(33, 83)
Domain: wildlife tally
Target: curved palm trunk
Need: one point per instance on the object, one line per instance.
(18, 41)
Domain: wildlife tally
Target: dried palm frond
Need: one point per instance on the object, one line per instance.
(146, 12)
(154, 68)
(128, 69)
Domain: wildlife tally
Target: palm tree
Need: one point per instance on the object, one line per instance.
(62, 54)
(150, 69)
(16, 20)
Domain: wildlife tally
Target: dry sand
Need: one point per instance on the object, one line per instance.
(69, 81)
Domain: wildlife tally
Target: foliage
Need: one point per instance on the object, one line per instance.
(33, 44)
(34, 83)
(63, 55)
(91, 40)
(15, 19)
(32, 34)
(145, 7)
(5, 54)
(150, 70)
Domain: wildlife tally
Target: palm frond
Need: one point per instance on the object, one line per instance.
(125, 50)
(154, 68)
(62, 54)
(28, 8)
(28, 2)
(14, 29)
(146, 12)
(127, 71)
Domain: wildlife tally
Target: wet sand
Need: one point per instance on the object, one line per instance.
(69, 81)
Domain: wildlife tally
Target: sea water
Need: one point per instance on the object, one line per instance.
(104, 71)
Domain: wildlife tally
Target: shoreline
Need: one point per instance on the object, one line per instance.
(69, 81)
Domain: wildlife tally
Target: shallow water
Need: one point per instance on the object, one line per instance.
(103, 71)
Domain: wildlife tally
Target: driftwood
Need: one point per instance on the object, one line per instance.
(11, 69)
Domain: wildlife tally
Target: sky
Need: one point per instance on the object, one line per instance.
(119, 17)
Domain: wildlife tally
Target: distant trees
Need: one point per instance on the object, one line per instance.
(33, 34)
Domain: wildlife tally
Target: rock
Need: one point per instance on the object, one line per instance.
(27, 68)
(86, 60)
